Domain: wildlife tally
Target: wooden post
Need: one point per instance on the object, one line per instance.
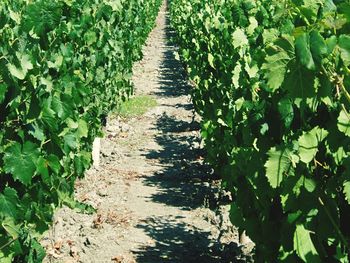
(96, 148)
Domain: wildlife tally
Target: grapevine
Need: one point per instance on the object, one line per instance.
(271, 81)
(64, 65)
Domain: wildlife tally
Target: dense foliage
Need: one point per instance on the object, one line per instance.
(271, 80)
(63, 65)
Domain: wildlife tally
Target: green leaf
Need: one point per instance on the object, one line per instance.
(72, 124)
(236, 75)
(303, 245)
(42, 169)
(299, 82)
(48, 114)
(71, 140)
(275, 65)
(344, 8)
(15, 16)
(318, 46)
(47, 82)
(211, 60)
(8, 203)
(331, 44)
(57, 63)
(236, 215)
(346, 190)
(11, 228)
(309, 184)
(310, 9)
(308, 143)
(302, 48)
(252, 26)
(285, 108)
(90, 37)
(279, 165)
(20, 161)
(25, 62)
(37, 132)
(82, 129)
(344, 46)
(37, 252)
(54, 163)
(3, 91)
(16, 72)
(239, 38)
(62, 109)
(344, 122)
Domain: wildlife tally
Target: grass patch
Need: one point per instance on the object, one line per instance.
(136, 106)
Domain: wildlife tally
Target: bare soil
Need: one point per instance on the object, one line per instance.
(155, 198)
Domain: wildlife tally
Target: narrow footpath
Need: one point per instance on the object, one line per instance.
(155, 198)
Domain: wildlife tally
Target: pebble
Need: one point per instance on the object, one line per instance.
(125, 128)
(102, 192)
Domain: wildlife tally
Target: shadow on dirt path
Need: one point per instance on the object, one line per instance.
(180, 182)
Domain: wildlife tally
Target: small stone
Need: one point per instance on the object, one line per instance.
(125, 128)
(102, 192)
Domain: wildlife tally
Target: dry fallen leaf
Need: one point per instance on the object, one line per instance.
(98, 221)
(118, 259)
(58, 245)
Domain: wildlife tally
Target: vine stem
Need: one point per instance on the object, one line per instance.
(8, 243)
(338, 81)
(340, 84)
(341, 236)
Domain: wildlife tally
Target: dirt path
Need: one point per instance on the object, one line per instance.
(152, 191)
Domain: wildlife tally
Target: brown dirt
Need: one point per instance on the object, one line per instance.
(154, 196)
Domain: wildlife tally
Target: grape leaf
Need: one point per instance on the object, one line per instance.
(308, 143)
(309, 184)
(344, 122)
(19, 160)
(3, 90)
(62, 109)
(42, 169)
(275, 65)
(54, 163)
(82, 129)
(303, 245)
(25, 62)
(346, 191)
(48, 114)
(279, 165)
(239, 38)
(20, 72)
(344, 8)
(302, 48)
(285, 108)
(211, 60)
(344, 46)
(90, 37)
(57, 61)
(11, 228)
(37, 132)
(17, 72)
(8, 202)
(299, 82)
(318, 46)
